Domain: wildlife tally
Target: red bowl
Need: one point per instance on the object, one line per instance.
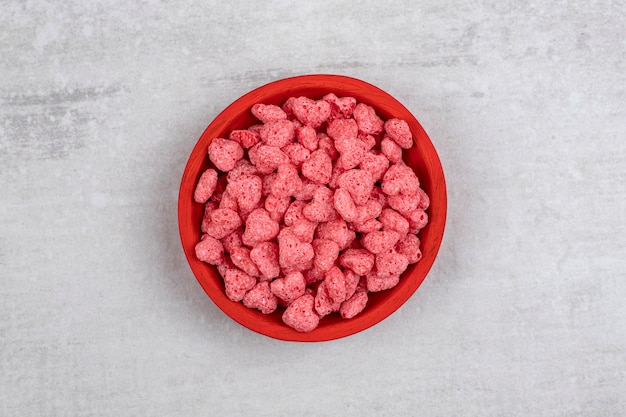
(422, 158)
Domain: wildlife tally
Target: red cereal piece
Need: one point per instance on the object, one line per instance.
(246, 138)
(287, 181)
(392, 220)
(321, 208)
(265, 257)
(368, 140)
(358, 183)
(307, 136)
(326, 253)
(224, 153)
(345, 205)
(399, 131)
(294, 212)
(352, 281)
(424, 200)
(241, 259)
(206, 218)
(307, 190)
(367, 119)
(340, 108)
(400, 178)
(259, 228)
(268, 112)
(232, 240)
(318, 167)
(354, 305)
(390, 262)
(377, 282)
(237, 283)
(391, 150)
(311, 112)
(351, 152)
(338, 231)
(206, 186)
(276, 207)
(304, 230)
(209, 250)
(418, 219)
(277, 133)
(297, 153)
(409, 247)
(289, 288)
(228, 201)
(343, 129)
(361, 261)
(328, 145)
(324, 303)
(261, 298)
(300, 315)
(268, 158)
(247, 190)
(223, 223)
(404, 203)
(293, 254)
(367, 226)
(335, 284)
(378, 242)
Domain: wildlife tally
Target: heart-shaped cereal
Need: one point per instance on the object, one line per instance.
(290, 287)
(311, 112)
(293, 254)
(259, 228)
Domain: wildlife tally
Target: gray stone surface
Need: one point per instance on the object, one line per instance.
(523, 313)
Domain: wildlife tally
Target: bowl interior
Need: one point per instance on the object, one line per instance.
(422, 158)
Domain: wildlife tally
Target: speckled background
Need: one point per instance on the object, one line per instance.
(523, 313)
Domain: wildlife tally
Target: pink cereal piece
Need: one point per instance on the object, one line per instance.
(297, 153)
(268, 112)
(293, 254)
(209, 250)
(328, 145)
(377, 282)
(228, 201)
(391, 150)
(268, 158)
(318, 167)
(337, 171)
(223, 223)
(311, 112)
(326, 253)
(267, 183)
(418, 219)
(265, 257)
(399, 131)
(345, 205)
(259, 228)
(424, 200)
(241, 259)
(206, 218)
(300, 315)
(237, 283)
(232, 240)
(404, 203)
(352, 280)
(390, 263)
(242, 167)
(224, 153)
(321, 208)
(340, 108)
(378, 242)
(307, 136)
(206, 186)
(368, 140)
(277, 133)
(294, 212)
(324, 303)
(360, 261)
(392, 220)
(379, 196)
(252, 153)
(400, 178)
(375, 163)
(304, 229)
(338, 231)
(287, 107)
(342, 129)
(290, 287)
(313, 275)
(307, 190)
(244, 214)
(370, 210)
(247, 190)
(255, 128)
(336, 284)
(351, 152)
(225, 266)
(354, 305)
(246, 138)
(261, 298)
(276, 207)
(409, 247)
(358, 183)
(367, 226)
(287, 181)
(367, 119)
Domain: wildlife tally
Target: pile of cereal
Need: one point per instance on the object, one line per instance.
(311, 209)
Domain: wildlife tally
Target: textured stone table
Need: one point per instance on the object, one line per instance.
(523, 313)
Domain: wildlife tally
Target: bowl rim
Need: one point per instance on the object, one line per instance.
(207, 276)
